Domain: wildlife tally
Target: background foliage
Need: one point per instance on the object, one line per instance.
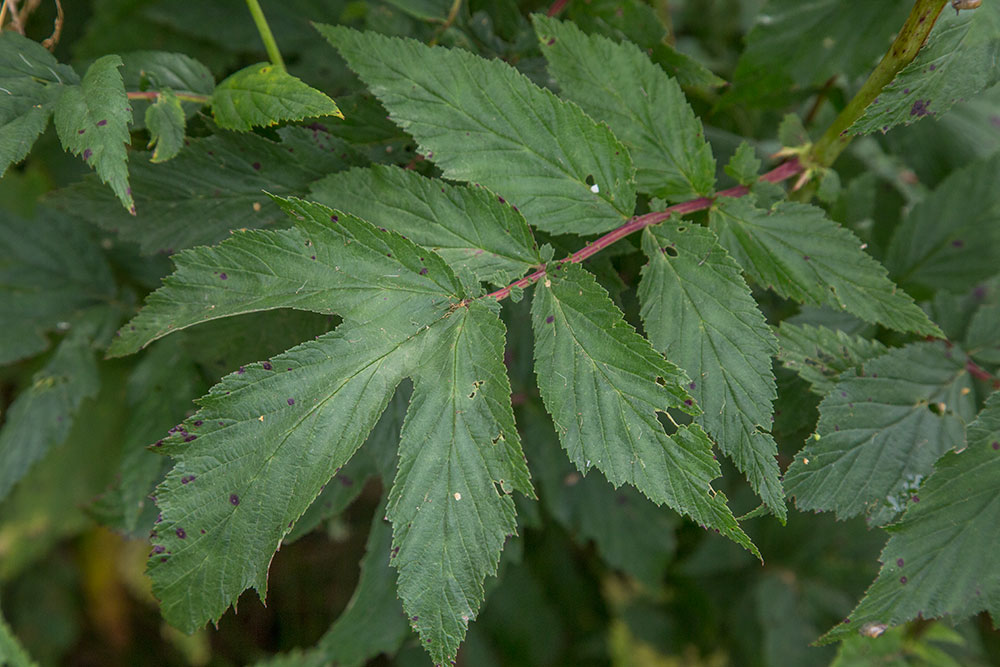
(837, 343)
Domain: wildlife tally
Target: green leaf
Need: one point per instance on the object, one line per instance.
(330, 262)
(820, 355)
(92, 121)
(466, 226)
(879, 434)
(483, 121)
(262, 95)
(31, 81)
(41, 416)
(165, 120)
(981, 340)
(951, 239)
(795, 250)
(51, 272)
(459, 459)
(427, 10)
(214, 185)
(699, 313)
(939, 559)
(604, 384)
(618, 84)
(744, 166)
(162, 71)
(11, 651)
(952, 66)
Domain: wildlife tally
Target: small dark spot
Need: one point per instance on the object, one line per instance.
(903, 580)
(501, 200)
(159, 549)
(241, 371)
(423, 271)
(198, 423)
(899, 562)
(163, 559)
(549, 319)
(102, 123)
(334, 218)
(202, 531)
(915, 499)
(933, 67)
(552, 40)
(388, 254)
(190, 438)
(256, 166)
(906, 91)
(920, 107)
(80, 131)
(87, 153)
(291, 401)
(688, 402)
(223, 276)
(836, 428)
(847, 620)
(996, 445)
(158, 443)
(180, 533)
(234, 499)
(958, 243)
(691, 386)
(313, 257)
(266, 366)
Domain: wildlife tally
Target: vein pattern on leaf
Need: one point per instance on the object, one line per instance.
(880, 433)
(795, 250)
(459, 459)
(467, 226)
(820, 354)
(604, 384)
(618, 84)
(330, 262)
(939, 560)
(483, 121)
(92, 121)
(262, 95)
(698, 311)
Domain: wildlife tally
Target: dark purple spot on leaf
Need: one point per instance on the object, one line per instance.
(80, 131)
(552, 40)
(996, 445)
(933, 67)
(899, 562)
(549, 319)
(266, 366)
(688, 402)
(87, 153)
(102, 123)
(234, 500)
(223, 276)
(256, 166)
(423, 271)
(958, 243)
(903, 580)
(291, 401)
(159, 549)
(241, 371)
(691, 386)
(198, 423)
(919, 107)
(313, 257)
(163, 559)
(190, 438)
(501, 200)
(915, 499)
(180, 533)
(202, 531)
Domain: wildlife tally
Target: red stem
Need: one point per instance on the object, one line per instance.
(557, 7)
(776, 175)
(976, 371)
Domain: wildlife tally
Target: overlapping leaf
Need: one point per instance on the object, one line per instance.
(262, 95)
(165, 72)
(954, 65)
(801, 254)
(820, 354)
(482, 121)
(619, 85)
(939, 560)
(604, 384)
(698, 311)
(466, 226)
(165, 120)
(879, 434)
(951, 239)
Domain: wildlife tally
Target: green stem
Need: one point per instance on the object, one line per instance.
(903, 50)
(153, 94)
(265, 34)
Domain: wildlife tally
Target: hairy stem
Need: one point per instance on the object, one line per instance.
(265, 34)
(154, 94)
(903, 50)
(776, 175)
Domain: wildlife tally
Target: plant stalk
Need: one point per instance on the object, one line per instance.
(265, 34)
(902, 52)
(153, 95)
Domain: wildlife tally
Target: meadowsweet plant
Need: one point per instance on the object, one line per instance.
(503, 300)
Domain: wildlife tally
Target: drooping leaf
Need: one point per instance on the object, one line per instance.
(31, 81)
(951, 67)
(604, 384)
(482, 121)
(466, 226)
(459, 460)
(41, 416)
(879, 434)
(214, 185)
(92, 121)
(51, 271)
(939, 560)
(951, 239)
(262, 95)
(165, 120)
(820, 354)
(801, 254)
(699, 313)
(619, 85)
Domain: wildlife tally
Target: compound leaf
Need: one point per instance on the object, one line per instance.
(604, 384)
(618, 84)
(466, 226)
(262, 95)
(879, 434)
(485, 122)
(698, 312)
(801, 254)
(939, 560)
(92, 121)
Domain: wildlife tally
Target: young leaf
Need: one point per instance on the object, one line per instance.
(801, 254)
(42, 415)
(604, 384)
(262, 95)
(485, 122)
(819, 354)
(459, 459)
(698, 312)
(951, 67)
(951, 239)
(165, 120)
(162, 71)
(225, 174)
(744, 166)
(31, 81)
(618, 84)
(939, 560)
(92, 121)
(466, 226)
(879, 434)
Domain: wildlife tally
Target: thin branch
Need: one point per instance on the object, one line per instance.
(53, 39)
(776, 175)
(273, 54)
(818, 102)
(15, 22)
(155, 94)
(448, 22)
